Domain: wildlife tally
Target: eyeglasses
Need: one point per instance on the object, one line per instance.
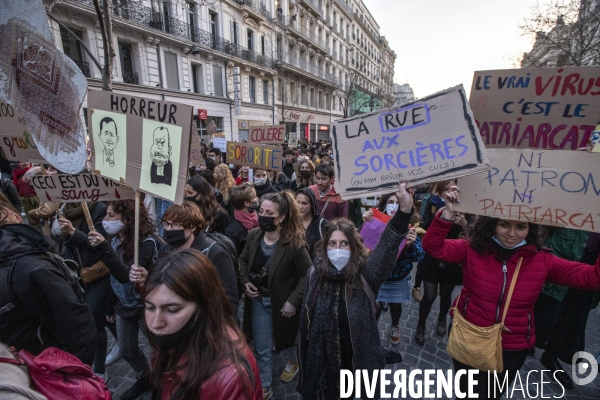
(171, 225)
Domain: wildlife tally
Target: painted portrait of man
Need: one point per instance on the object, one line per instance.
(109, 136)
(161, 170)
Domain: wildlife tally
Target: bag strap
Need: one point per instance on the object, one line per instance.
(325, 206)
(10, 361)
(368, 290)
(511, 289)
(320, 230)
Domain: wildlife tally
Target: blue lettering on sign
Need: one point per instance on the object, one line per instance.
(409, 117)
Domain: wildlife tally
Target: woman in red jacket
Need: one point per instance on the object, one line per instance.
(199, 351)
(489, 260)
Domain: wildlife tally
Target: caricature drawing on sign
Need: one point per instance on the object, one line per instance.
(160, 154)
(109, 136)
(109, 139)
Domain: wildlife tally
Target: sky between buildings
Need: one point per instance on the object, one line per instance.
(440, 43)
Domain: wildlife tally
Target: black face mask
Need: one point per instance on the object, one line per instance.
(267, 224)
(253, 207)
(305, 173)
(167, 342)
(175, 238)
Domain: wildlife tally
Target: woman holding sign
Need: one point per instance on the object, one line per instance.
(338, 326)
(504, 271)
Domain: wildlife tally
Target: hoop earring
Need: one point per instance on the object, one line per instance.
(279, 226)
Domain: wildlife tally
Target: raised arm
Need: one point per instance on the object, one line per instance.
(573, 273)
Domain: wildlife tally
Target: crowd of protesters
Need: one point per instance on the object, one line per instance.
(284, 246)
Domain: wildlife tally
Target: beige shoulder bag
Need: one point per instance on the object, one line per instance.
(479, 347)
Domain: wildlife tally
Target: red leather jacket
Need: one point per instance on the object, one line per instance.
(484, 279)
(225, 384)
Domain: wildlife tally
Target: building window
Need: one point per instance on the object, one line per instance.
(294, 98)
(321, 105)
(265, 92)
(214, 29)
(312, 97)
(303, 98)
(250, 34)
(218, 80)
(327, 101)
(252, 89)
(204, 123)
(197, 78)
(262, 45)
(191, 16)
(127, 65)
(171, 70)
(72, 48)
(235, 32)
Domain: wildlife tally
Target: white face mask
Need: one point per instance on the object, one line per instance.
(112, 227)
(391, 209)
(339, 258)
(260, 181)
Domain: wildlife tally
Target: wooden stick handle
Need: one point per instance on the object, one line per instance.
(88, 217)
(136, 243)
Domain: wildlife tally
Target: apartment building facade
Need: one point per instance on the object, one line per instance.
(246, 62)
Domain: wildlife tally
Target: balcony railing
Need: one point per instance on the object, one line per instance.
(305, 32)
(84, 67)
(345, 7)
(131, 77)
(257, 6)
(137, 13)
(315, 5)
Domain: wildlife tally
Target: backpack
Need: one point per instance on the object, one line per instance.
(226, 243)
(59, 375)
(158, 243)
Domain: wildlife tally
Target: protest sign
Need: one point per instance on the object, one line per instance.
(195, 148)
(545, 108)
(596, 139)
(553, 187)
(79, 188)
(220, 143)
(255, 155)
(267, 134)
(432, 139)
(15, 140)
(143, 143)
(371, 231)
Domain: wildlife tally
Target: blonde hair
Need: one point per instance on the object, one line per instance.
(224, 185)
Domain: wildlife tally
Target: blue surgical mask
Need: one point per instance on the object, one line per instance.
(522, 243)
(391, 209)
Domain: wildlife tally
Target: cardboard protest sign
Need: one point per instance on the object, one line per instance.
(554, 187)
(255, 155)
(267, 134)
(15, 140)
(195, 148)
(153, 134)
(432, 139)
(545, 108)
(596, 139)
(79, 188)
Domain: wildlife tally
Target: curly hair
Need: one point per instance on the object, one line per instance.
(225, 184)
(480, 235)
(292, 229)
(359, 252)
(127, 210)
(383, 201)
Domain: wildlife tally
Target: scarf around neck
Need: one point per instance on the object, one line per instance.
(249, 220)
(324, 353)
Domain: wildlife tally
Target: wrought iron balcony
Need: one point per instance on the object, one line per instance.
(84, 67)
(146, 16)
(131, 77)
(345, 7)
(315, 5)
(256, 7)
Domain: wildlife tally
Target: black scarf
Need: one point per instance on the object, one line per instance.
(324, 351)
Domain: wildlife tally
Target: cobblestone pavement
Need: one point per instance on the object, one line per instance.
(430, 356)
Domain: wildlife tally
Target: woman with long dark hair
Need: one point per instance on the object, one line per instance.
(198, 350)
(273, 269)
(117, 254)
(312, 222)
(497, 253)
(305, 176)
(199, 191)
(338, 328)
(436, 275)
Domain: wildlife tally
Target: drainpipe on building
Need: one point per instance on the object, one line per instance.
(230, 101)
(159, 67)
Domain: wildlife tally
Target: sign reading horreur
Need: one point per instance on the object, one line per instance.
(432, 139)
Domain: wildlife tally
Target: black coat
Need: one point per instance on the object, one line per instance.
(11, 193)
(88, 256)
(264, 189)
(238, 233)
(223, 264)
(287, 277)
(46, 300)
